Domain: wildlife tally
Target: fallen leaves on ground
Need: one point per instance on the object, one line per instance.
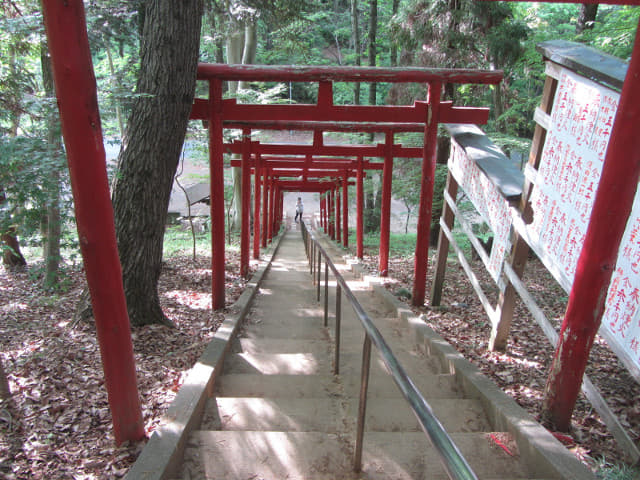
(57, 423)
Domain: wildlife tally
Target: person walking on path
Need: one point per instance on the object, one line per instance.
(299, 209)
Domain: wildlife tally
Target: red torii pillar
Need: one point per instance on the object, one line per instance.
(216, 167)
(345, 210)
(325, 223)
(256, 207)
(596, 263)
(272, 199)
(426, 194)
(385, 208)
(245, 234)
(360, 210)
(338, 207)
(265, 205)
(80, 119)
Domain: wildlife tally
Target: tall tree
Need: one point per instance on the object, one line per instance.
(373, 52)
(586, 17)
(355, 33)
(151, 149)
(51, 218)
(393, 50)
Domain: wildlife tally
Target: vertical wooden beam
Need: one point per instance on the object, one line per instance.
(216, 167)
(385, 208)
(426, 194)
(611, 209)
(448, 218)
(265, 205)
(245, 234)
(360, 210)
(345, 210)
(332, 229)
(338, 207)
(257, 195)
(519, 252)
(78, 103)
(272, 197)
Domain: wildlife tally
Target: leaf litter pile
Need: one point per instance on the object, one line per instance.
(521, 370)
(57, 423)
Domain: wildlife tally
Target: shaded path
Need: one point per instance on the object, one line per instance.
(278, 412)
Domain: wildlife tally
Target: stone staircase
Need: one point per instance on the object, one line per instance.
(278, 412)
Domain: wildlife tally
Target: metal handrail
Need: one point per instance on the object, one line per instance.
(452, 460)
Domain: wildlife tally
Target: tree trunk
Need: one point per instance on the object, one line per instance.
(587, 17)
(250, 46)
(51, 233)
(11, 255)
(151, 148)
(498, 102)
(393, 51)
(116, 87)
(235, 49)
(5, 391)
(356, 46)
(373, 29)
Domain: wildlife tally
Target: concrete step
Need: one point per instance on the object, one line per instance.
(322, 414)
(276, 386)
(333, 414)
(320, 362)
(256, 385)
(245, 455)
(309, 328)
(280, 345)
(278, 363)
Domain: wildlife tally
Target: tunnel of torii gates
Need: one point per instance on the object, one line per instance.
(75, 84)
(324, 116)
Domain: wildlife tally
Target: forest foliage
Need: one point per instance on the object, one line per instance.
(35, 199)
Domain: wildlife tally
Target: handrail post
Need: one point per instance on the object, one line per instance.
(336, 365)
(312, 261)
(362, 408)
(326, 293)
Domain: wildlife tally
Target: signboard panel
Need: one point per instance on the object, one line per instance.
(565, 186)
(570, 168)
(488, 202)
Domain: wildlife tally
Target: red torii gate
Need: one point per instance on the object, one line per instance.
(310, 166)
(221, 113)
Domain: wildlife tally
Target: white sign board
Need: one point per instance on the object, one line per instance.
(488, 202)
(565, 186)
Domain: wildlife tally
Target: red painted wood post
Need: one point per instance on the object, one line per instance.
(245, 234)
(332, 213)
(360, 210)
(338, 207)
(426, 195)
(216, 167)
(280, 207)
(324, 212)
(611, 209)
(345, 210)
(272, 197)
(385, 208)
(78, 103)
(265, 205)
(256, 207)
